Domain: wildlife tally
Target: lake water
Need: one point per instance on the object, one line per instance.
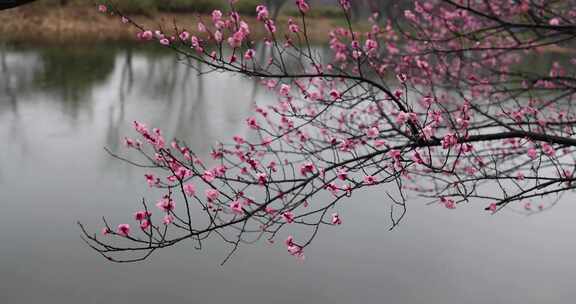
(59, 109)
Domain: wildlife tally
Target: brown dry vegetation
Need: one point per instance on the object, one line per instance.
(75, 24)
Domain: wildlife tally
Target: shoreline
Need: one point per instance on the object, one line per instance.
(77, 25)
(84, 25)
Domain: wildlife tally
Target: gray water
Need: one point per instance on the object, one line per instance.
(60, 108)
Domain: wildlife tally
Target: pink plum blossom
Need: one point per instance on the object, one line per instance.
(369, 180)
(212, 194)
(303, 6)
(123, 229)
(372, 132)
(532, 153)
(336, 220)
(142, 215)
(166, 204)
(236, 207)
(167, 219)
(492, 207)
(288, 217)
(190, 189)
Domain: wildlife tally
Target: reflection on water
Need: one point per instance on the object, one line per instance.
(59, 108)
(112, 87)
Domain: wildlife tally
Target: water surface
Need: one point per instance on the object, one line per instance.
(58, 110)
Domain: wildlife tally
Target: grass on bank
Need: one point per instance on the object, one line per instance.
(78, 21)
(151, 7)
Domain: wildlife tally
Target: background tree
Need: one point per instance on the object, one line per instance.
(435, 101)
(6, 4)
(275, 6)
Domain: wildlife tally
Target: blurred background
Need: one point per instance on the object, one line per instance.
(71, 83)
(78, 20)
